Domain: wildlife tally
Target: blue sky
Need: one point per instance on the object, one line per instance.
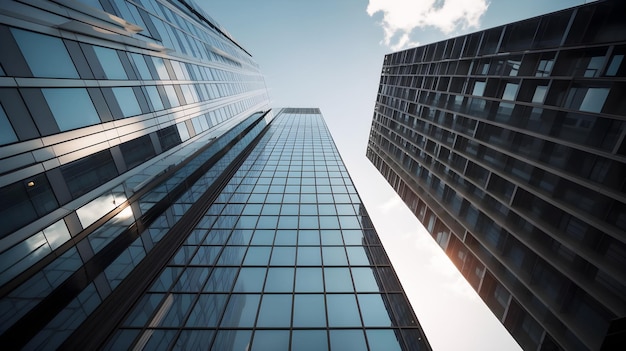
(328, 54)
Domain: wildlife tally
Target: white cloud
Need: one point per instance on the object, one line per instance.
(401, 17)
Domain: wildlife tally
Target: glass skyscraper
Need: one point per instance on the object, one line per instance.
(509, 145)
(151, 199)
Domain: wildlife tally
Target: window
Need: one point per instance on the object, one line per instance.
(159, 64)
(110, 62)
(540, 94)
(510, 90)
(55, 63)
(479, 88)
(24, 201)
(127, 100)
(137, 151)
(89, 172)
(142, 67)
(71, 107)
(7, 135)
(168, 137)
(155, 98)
(171, 95)
(587, 98)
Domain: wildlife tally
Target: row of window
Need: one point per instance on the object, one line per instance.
(69, 59)
(34, 197)
(598, 62)
(268, 339)
(593, 24)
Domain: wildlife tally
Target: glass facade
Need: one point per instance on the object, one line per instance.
(152, 200)
(508, 145)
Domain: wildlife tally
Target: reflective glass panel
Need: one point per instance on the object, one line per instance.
(309, 311)
(270, 340)
(347, 340)
(241, 311)
(71, 107)
(110, 62)
(383, 340)
(155, 98)
(142, 68)
(7, 135)
(275, 311)
(128, 101)
(309, 340)
(342, 311)
(56, 63)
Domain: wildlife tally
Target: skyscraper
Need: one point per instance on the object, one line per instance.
(152, 200)
(509, 145)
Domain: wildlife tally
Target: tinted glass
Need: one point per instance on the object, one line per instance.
(110, 62)
(71, 107)
(56, 63)
(155, 98)
(128, 101)
(137, 151)
(309, 311)
(7, 135)
(140, 64)
(275, 311)
(89, 172)
(309, 340)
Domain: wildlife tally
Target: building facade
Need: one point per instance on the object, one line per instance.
(150, 199)
(509, 145)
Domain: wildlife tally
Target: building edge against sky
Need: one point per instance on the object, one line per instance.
(509, 145)
(152, 199)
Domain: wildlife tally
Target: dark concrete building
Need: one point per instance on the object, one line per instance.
(151, 199)
(509, 145)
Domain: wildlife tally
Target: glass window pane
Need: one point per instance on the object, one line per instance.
(171, 95)
(275, 311)
(594, 99)
(364, 279)
(337, 280)
(285, 237)
(262, 237)
(283, 256)
(309, 237)
(241, 311)
(331, 237)
(257, 256)
(142, 68)
(309, 340)
(110, 62)
(309, 256)
(279, 280)
(179, 305)
(270, 340)
(128, 101)
(155, 98)
(342, 310)
(347, 340)
(309, 280)
(221, 279)
(334, 256)
(160, 67)
(56, 63)
(510, 90)
(192, 340)
(383, 340)
(207, 310)
(250, 280)
(71, 107)
(7, 135)
(357, 255)
(374, 312)
(309, 311)
(89, 172)
(232, 340)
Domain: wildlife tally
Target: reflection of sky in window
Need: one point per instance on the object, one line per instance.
(110, 62)
(510, 91)
(56, 63)
(594, 99)
(71, 107)
(7, 135)
(128, 101)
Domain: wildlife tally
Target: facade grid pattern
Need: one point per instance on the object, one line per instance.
(509, 145)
